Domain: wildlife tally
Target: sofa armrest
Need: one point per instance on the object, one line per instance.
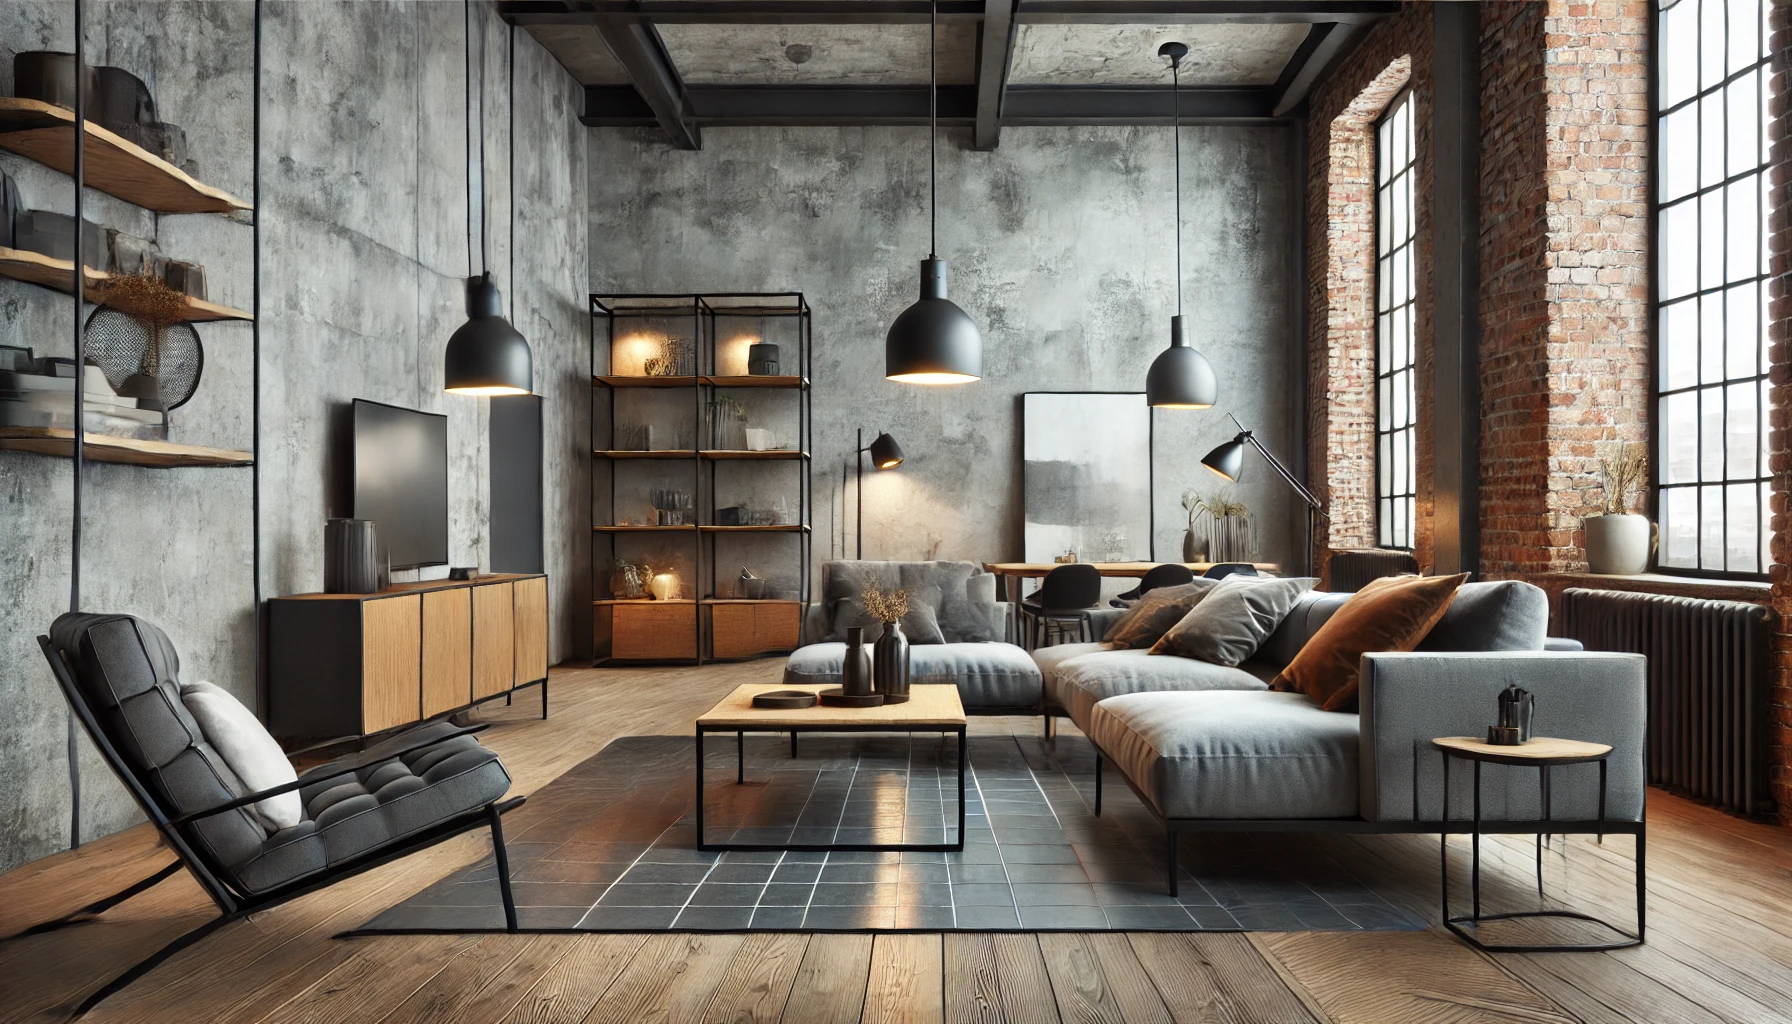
(1406, 700)
(1003, 621)
(815, 622)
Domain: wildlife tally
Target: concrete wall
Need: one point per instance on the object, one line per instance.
(364, 230)
(1060, 248)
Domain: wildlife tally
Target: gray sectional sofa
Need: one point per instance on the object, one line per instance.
(970, 649)
(1210, 747)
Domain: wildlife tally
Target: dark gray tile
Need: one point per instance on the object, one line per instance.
(786, 895)
(1150, 917)
(553, 894)
(714, 917)
(1046, 873)
(977, 918)
(989, 874)
(843, 918)
(629, 918)
(865, 857)
(1380, 917)
(860, 873)
(924, 894)
(1063, 917)
(545, 918)
(854, 894)
(741, 873)
(982, 895)
(924, 873)
(597, 872)
(656, 895)
(1053, 894)
(797, 873)
(925, 918)
(1039, 854)
(711, 894)
(1213, 918)
(1108, 894)
(680, 874)
(752, 857)
(779, 918)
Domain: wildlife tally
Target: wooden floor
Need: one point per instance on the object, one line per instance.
(1720, 937)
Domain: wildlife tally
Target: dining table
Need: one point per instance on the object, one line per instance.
(1011, 573)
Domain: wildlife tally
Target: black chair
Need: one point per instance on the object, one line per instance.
(1225, 569)
(120, 676)
(1169, 574)
(1066, 595)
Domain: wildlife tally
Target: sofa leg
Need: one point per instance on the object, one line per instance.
(1098, 784)
(502, 857)
(1170, 869)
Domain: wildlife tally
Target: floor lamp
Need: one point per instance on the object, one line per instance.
(1228, 461)
(885, 454)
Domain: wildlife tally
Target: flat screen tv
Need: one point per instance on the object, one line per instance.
(401, 481)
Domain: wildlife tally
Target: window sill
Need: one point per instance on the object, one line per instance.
(1678, 586)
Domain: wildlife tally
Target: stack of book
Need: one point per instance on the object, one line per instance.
(42, 394)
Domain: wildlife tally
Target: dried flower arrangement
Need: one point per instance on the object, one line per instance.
(1231, 530)
(145, 297)
(1220, 506)
(1621, 472)
(885, 605)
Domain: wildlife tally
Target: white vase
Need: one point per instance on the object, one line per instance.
(1617, 545)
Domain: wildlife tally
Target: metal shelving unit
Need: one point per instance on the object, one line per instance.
(708, 323)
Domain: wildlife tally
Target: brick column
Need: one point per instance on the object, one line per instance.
(1779, 434)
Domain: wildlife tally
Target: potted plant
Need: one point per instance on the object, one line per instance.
(1230, 532)
(1618, 538)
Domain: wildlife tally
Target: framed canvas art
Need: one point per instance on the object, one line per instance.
(1086, 475)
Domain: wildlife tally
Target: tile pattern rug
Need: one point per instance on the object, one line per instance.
(610, 846)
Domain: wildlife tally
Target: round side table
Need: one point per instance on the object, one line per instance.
(1543, 754)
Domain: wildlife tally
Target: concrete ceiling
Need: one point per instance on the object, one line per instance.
(1127, 54)
(818, 54)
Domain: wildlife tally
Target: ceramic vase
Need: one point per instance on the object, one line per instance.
(889, 664)
(1194, 549)
(664, 587)
(1617, 545)
(855, 670)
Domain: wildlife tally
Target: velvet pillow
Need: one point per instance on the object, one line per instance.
(1229, 624)
(1389, 614)
(1157, 611)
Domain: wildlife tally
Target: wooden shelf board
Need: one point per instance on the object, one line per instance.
(637, 381)
(724, 455)
(111, 164)
(641, 600)
(787, 528)
(750, 600)
(60, 441)
(746, 381)
(644, 529)
(668, 454)
(36, 268)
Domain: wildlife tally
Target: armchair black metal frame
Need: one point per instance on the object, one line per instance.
(233, 905)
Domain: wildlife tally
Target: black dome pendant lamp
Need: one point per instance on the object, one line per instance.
(933, 341)
(485, 356)
(1180, 377)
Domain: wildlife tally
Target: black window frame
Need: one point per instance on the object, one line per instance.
(1390, 495)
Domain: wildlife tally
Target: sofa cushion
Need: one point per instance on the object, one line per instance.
(965, 607)
(1392, 613)
(1082, 682)
(1228, 625)
(988, 676)
(244, 743)
(1496, 615)
(1314, 609)
(1049, 658)
(1232, 754)
(920, 623)
(1150, 616)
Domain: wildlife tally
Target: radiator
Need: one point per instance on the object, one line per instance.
(1709, 665)
(1352, 569)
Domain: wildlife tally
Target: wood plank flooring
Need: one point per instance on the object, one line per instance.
(1719, 951)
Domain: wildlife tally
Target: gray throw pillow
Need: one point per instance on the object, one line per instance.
(1232, 621)
(1499, 615)
(921, 625)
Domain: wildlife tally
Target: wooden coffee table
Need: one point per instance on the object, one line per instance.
(930, 708)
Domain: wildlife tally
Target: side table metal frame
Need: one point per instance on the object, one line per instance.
(1601, 827)
(786, 727)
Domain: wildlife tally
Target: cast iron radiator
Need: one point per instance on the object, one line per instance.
(1352, 569)
(1708, 678)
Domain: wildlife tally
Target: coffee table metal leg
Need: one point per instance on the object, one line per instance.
(1475, 846)
(1098, 783)
(700, 844)
(740, 757)
(1443, 842)
(963, 759)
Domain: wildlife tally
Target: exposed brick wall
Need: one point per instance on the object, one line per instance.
(1564, 261)
(1779, 435)
(1341, 118)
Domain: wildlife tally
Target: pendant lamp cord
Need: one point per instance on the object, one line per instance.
(468, 108)
(933, 187)
(1176, 118)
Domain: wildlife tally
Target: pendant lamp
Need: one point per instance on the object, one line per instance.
(933, 341)
(1180, 377)
(485, 356)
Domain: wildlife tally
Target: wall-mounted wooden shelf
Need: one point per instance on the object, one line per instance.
(781, 528)
(111, 164)
(667, 454)
(707, 380)
(60, 441)
(643, 529)
(710, 455)
(724, 455)
(643, 601)
(638, 381)
(36, 268)
(744, 381)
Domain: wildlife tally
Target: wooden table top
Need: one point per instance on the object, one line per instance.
(1539, 751)
(928, 705)
(1129, 569)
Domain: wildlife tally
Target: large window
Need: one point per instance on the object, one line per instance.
(1394, 412)
(1710, 240)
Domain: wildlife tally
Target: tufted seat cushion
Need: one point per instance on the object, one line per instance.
(1084, 682)
(128, 673)
(989, 676)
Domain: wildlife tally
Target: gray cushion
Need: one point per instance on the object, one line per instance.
(1498, 615)
(921, 623)
(1234, 619)
(988, 676)
(1049, 658)
(965, 606)
(1079, 683)
(1232, 754)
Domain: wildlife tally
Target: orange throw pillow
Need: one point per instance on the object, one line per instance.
(1389, 614)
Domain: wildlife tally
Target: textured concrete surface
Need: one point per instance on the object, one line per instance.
(364, 249)
(1060, 249)
(1127, 54)
(822, 54)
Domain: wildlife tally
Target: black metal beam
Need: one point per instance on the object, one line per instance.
(1322, 47)
(638, 49)
(896, 12)
(768, 105)
(995, 48)
(1456, 287)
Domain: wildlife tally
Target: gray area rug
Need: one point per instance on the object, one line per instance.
(611, 846)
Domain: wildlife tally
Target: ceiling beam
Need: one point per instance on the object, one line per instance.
(710, 106)
(995, 48)
(1322, 47)
(638, 49)
(897, 12)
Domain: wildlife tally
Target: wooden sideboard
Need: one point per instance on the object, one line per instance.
(359, 664)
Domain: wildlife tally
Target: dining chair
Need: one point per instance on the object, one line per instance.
(1169, 574)
(1065, 597)
(1225, 569)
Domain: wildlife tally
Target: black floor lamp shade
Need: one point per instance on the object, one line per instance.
(487, 356)
(885, 452)
(1227, 460)
(933, 341)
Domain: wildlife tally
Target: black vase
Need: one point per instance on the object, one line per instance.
(855, 671)
(889, 664)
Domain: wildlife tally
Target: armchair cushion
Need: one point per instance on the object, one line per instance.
(237, 735)
(1391, 613)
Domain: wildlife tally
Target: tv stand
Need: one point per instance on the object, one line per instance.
(354, 665)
